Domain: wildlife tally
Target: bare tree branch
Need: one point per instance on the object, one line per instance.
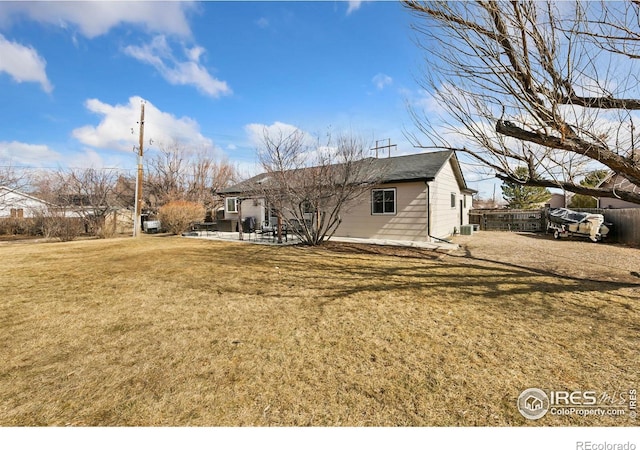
(534, 83)
(309, 185)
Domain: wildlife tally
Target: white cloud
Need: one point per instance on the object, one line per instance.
(88, 158)
(262, 22)
(27, 154)
(354, 5)
(23, 64)
(256, 131)
(159, 54)
(115, 128)
(424, 101)
(381, 80)
(93, 18)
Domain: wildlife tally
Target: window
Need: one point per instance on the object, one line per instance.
(232, 204)
(453, 199)
(307, 207)
(17, 213)
(383, 201)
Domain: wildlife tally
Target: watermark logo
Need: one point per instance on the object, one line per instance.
(533, 403)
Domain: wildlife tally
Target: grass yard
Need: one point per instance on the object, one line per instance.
(176, 332)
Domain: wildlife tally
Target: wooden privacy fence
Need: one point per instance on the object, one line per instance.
(626, 224)
(508, 219)
(625, 229)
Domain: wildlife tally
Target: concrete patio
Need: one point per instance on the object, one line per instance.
(254, 238)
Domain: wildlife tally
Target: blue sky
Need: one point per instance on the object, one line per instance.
(212, 74)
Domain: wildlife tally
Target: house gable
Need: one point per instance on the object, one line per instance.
(17, 204)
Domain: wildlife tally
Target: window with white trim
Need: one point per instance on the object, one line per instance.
(453, 199)
(383, 201)
(232, 204)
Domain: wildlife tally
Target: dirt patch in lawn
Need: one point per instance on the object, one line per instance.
(572, 258)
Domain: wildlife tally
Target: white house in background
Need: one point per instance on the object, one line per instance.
(18, 205)
(422, 197)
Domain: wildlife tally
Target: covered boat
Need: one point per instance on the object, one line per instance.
(565, 222)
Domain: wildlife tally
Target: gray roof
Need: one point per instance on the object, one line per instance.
(418, 167)
(421, 166)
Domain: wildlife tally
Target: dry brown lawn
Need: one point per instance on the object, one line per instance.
(183, 332)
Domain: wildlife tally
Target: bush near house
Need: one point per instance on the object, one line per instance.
(176, 216)
(15, 226)
(50, 226)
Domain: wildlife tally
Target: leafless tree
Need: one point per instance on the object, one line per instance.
(90, 194)
(179, 173)
(11, 176)
(551, 86)
(309, 185)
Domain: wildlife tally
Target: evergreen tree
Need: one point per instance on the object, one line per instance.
(592, 179)
(520, 196)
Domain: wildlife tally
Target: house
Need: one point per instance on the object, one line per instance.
(560, 200)
(421, 197)
(18, 205)
(533, 403)
(618, 182)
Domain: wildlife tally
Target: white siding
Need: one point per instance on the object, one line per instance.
(14, 200)
(446, 219)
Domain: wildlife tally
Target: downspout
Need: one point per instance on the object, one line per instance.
(428, 209)
(429, 215)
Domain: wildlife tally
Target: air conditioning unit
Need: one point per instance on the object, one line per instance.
(466, 230)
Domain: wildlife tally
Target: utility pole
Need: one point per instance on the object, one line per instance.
(139, 176)
(382, 147)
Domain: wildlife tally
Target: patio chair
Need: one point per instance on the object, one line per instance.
(263, 230)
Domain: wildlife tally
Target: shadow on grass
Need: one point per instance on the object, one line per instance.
(328, 276)
(464, 279)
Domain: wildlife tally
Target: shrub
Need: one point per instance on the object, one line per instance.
(60, 227)
(175, 217)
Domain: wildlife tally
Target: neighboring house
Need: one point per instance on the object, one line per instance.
(421, 197)
(560, 200)
(18, 205)
(617, 182)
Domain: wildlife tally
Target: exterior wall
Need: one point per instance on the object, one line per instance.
(558, 200)
(616, 204)
(445, 219)
(12, 200)
(120, 221)
(410, 219)
(408, 223)
(250, 208)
